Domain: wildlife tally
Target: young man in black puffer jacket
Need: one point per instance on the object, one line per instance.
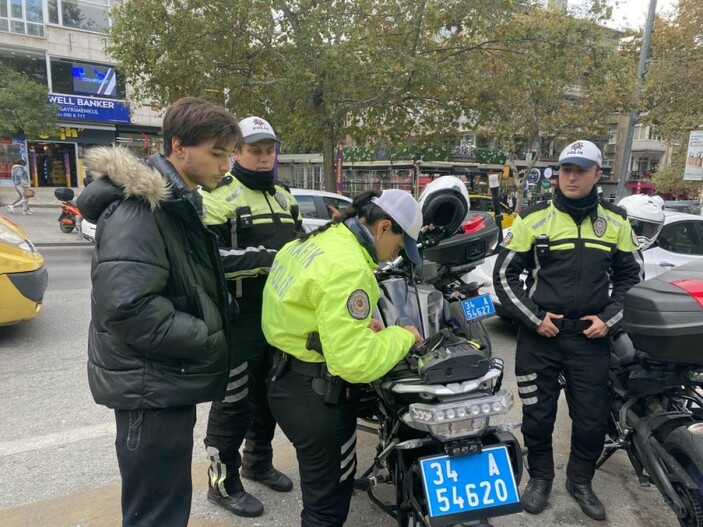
(159, 334)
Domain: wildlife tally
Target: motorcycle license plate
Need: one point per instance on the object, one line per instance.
(468, 487)
(478, 307)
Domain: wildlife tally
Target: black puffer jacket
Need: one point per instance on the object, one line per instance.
(159, 299)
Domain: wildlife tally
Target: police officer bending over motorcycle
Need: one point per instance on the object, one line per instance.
(317, 310)
(572, 249)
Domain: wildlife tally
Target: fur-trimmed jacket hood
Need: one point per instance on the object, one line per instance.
(160, 326)
(118, 174)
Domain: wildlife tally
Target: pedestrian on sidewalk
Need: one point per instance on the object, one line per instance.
(159, 338)
(20, 179)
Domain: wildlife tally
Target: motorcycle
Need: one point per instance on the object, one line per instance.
(69, 210)
(656, 380)
(432, 411)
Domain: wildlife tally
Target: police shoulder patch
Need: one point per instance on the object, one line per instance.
(358, 304)
(281, 199)
(508, 237)
(599, 226)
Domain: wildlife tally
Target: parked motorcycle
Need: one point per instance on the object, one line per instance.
(69, 210)
(656, 379)
(432, 412)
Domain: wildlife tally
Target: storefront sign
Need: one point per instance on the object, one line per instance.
(90, 108)
(339, 167)
(82, 136)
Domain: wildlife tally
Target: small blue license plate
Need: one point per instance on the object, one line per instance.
(478, 307)
(457, 487)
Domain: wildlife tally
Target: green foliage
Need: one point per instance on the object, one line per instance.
(555, 77)
(490, 156)
(24, 105)
(353, 154)
(401, 153)
(672, 90)
(669, 180)
(398, 71)
(367, 69)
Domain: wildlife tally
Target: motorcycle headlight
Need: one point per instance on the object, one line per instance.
(460, 418)
(499, 403)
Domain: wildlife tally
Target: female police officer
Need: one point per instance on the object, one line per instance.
(317, 313)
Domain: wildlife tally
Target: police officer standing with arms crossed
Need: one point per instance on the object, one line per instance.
(253, 218)
(572, 249)
(317, 314)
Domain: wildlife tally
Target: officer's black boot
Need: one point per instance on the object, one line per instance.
(587, 499)
(534, 499)
(272, 478)
(240, 503)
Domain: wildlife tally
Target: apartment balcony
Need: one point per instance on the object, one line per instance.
(648, 146)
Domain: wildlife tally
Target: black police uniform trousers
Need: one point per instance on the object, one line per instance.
(154, 453)
(585, 363)
(243, 414)
(324, 437)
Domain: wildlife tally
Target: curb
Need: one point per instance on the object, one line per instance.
(62, 244)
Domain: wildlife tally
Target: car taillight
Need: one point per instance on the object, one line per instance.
(693, 288)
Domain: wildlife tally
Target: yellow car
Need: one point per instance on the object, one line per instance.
(23, 277)
(485, 203)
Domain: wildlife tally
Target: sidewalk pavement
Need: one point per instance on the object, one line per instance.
(42, 227)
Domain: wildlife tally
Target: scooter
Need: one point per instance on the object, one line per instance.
(657, 381)
(69, 210)
(432, 412)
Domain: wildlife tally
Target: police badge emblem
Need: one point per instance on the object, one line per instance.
(508, 237)
(599, 227)
(281, 199)
(358, 304)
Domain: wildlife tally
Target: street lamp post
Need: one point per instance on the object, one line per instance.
(644, 55)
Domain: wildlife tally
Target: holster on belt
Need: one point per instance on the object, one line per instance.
(281, 363)
(329, 387)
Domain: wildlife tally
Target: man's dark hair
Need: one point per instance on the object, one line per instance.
(195, 121)
(20, 161)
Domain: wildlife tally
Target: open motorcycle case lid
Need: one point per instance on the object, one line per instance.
(664, 315)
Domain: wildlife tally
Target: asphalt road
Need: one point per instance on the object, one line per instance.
(57, 461)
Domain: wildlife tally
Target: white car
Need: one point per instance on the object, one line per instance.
(680, 241)
(315, 208)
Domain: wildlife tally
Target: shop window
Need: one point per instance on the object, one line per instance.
(9, 153)
(25, 17)
(81, 14)
(52, 164)
(31, 63)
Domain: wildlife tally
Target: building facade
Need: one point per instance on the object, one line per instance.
(59, 43)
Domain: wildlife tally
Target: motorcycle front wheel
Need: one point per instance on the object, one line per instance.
(687, 448)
